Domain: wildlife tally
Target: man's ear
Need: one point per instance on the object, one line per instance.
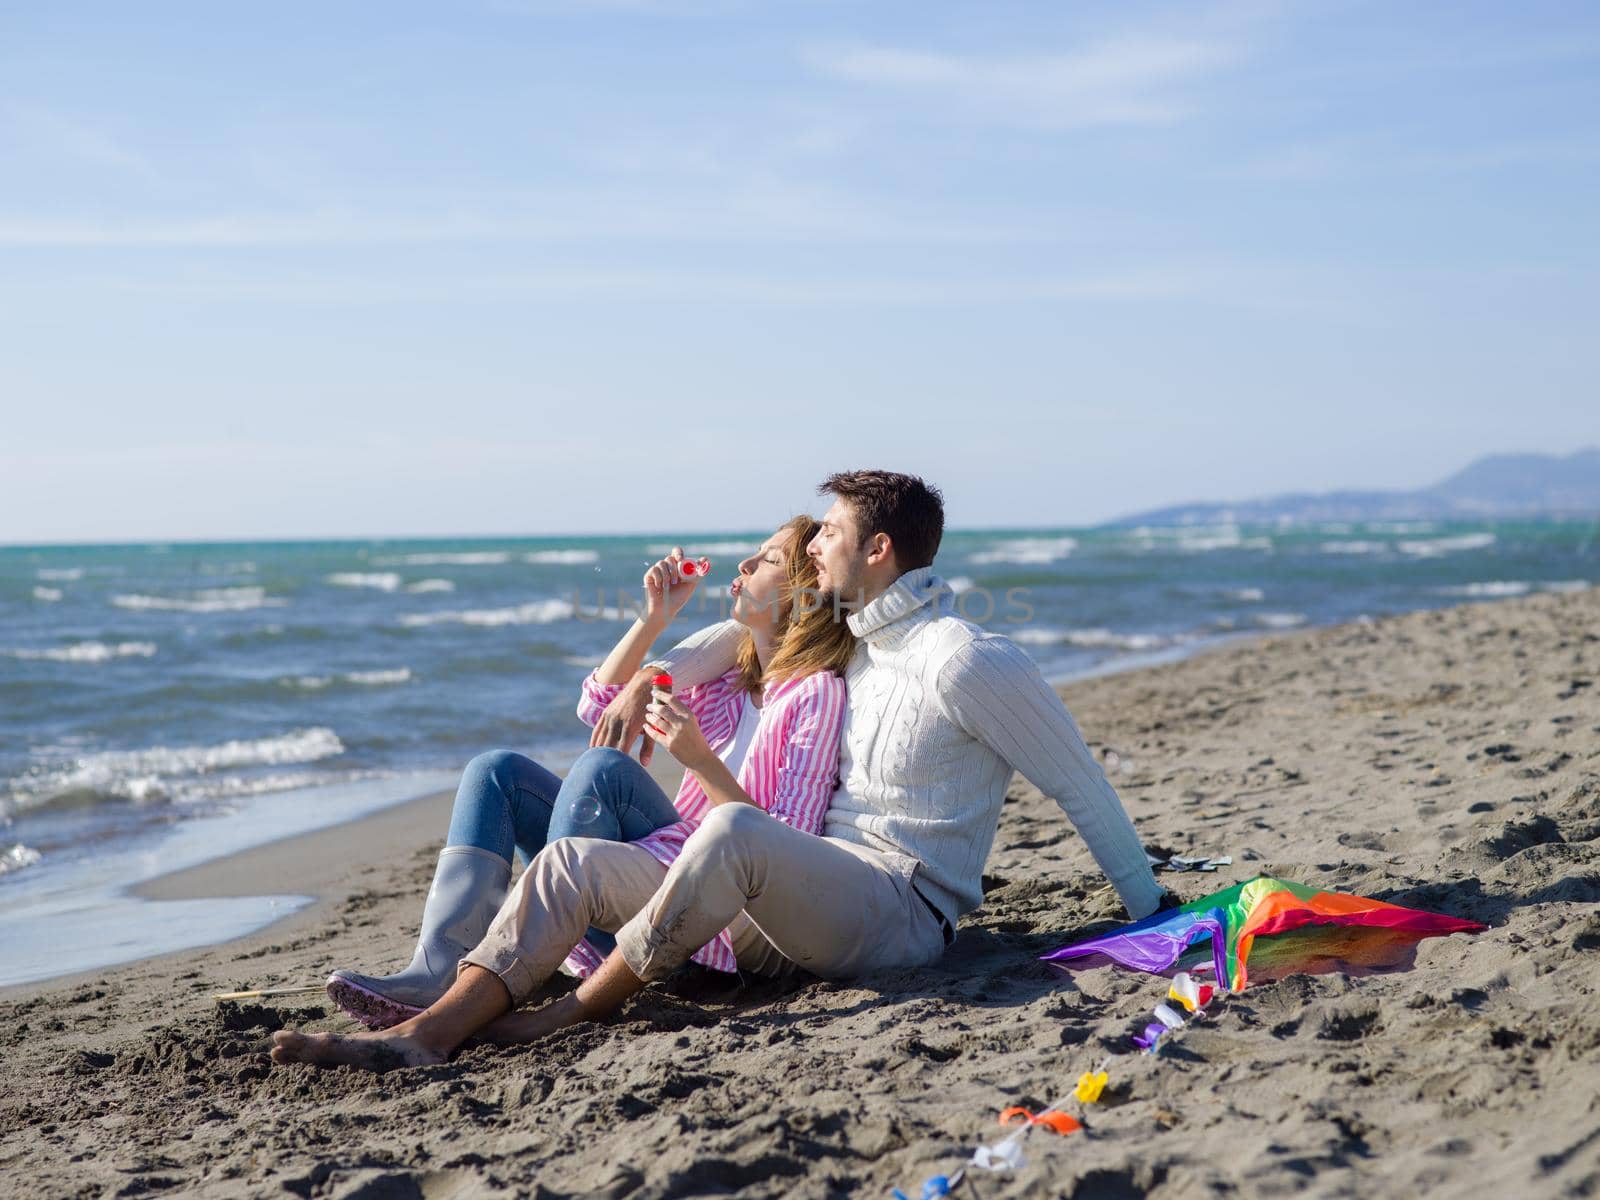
(882, 549)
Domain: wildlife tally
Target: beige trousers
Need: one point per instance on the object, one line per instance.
(791, 899)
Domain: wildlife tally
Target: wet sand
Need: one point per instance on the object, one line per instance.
(1447, 760)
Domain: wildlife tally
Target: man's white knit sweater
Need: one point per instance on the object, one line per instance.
(941, 712)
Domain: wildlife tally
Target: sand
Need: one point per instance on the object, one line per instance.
(1447, 760)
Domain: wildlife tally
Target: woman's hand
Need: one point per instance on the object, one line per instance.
(665, 591)
(669, 721)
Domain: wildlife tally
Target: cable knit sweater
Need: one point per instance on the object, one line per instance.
(941, 712)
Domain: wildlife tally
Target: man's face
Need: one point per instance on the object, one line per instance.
(838, 552)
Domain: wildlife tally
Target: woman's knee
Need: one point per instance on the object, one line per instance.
(598, 762)
(492, 766)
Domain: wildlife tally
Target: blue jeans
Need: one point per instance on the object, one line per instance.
(508, 802)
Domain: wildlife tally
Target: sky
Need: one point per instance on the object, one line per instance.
(543, 266)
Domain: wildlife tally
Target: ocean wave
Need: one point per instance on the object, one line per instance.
(48, 595)
(1279, 620)
(960, 583)
(1196, 539)
(431, 585)
(383, 581)
(562, 557)
(1031, 551)
(1566, 586)
(1092, 638)
(87, 652)
(1250, 595)
(17, 858)
(1399, 528)
(207, 600)
(380, 678)
(1354, 547)
(177, 772)
(537, 612)
(60, 574)
(696, 549)
(1492, 587)
(468, 558)
(1432, 547)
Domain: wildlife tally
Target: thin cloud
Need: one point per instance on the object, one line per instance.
(1131, 80)
(57, 135)
(1134, 285)
(723, 210)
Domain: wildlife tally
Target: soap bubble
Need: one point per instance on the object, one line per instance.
(585, 810)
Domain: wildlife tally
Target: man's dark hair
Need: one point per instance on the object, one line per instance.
(910, 511)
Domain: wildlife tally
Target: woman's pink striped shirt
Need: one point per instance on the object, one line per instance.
(791, 768)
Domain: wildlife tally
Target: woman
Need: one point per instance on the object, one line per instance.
(772, 723)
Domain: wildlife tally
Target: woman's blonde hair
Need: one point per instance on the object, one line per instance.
(809, 640)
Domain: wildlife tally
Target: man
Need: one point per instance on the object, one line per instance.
(941, 712)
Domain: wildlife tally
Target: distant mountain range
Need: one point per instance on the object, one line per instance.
(1498, 486)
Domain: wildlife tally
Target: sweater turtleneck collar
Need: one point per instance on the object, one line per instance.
(904, 596)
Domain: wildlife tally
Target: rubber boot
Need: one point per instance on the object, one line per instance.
(469, 885)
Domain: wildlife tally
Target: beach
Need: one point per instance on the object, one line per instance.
(1444, 759)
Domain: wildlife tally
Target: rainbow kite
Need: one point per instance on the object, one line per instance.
(1235, 917)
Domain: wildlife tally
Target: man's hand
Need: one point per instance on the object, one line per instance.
(623, 719)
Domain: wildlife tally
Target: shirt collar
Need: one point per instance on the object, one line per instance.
(905, 596)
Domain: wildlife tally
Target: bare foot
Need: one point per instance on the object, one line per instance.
(378, 1052)
(530, 1025)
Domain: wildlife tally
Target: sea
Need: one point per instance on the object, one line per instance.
(166, 704)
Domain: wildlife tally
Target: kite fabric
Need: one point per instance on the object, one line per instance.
(1235, 917)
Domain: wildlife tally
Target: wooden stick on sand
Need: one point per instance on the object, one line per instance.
(305, 990)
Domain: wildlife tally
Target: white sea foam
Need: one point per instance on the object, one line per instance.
(88, 652)
(1566, 586)
(1225, 537)
(1400, 528)
(1044, 635)
(471, 558)
(1249, 595)
(16, 857)
(1279, 620)
(48, 595)
(383, 581)
(1492, 587)
(1031, 551)
(178, 772)
(562, 557)
(60, 574)
(431, 585)
(1196, 539)
(208, 600)
(960, 583)
(1432, 547)
(537, 612)
(1354, 547)
(380, 678)
(315, 683)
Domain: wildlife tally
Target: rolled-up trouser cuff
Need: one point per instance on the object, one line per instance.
(648, 952)
(507, 965)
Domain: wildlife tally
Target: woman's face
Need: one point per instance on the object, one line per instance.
(757, 592)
